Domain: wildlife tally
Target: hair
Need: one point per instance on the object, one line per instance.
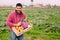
(18, 4)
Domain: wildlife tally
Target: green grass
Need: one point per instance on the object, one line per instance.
(46, 23)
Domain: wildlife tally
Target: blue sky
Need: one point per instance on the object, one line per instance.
(27, 2)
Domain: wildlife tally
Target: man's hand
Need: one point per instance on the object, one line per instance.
(27, 29)
(14, 25)
(18, 24)
(21, 32)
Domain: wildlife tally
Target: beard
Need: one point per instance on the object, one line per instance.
(20, 12)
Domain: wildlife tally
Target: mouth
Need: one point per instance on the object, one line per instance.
(18, 12)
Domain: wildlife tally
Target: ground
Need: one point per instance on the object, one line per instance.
(46, 23)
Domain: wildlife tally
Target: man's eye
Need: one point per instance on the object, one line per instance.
(18, 8)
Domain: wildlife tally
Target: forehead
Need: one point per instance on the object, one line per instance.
(18, 7)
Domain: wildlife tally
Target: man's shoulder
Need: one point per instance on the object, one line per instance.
(12, 12)
(24, 13)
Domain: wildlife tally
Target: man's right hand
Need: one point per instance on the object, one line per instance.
(18, 24)
(15, 25)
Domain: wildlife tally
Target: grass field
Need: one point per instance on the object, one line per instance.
(46, 23)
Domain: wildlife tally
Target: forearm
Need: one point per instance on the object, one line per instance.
(9, 23)
(27, 29)
(20, 22)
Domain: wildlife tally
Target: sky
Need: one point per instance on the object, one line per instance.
(27, 2)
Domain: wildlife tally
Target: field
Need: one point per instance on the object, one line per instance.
(46, 23)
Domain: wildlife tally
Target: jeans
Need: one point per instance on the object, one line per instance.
(13, 36)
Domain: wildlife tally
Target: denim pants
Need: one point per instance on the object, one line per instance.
(13, 36)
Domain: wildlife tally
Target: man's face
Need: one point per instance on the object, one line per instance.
(18, 9)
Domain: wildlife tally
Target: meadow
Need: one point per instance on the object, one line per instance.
(46, 23)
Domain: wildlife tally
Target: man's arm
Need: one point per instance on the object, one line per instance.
(20, 22)
(23, 19)
(9, 20)
(27, 29)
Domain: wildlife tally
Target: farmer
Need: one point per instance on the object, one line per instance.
(15, 18)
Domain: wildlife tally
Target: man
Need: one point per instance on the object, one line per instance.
(15, 18)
